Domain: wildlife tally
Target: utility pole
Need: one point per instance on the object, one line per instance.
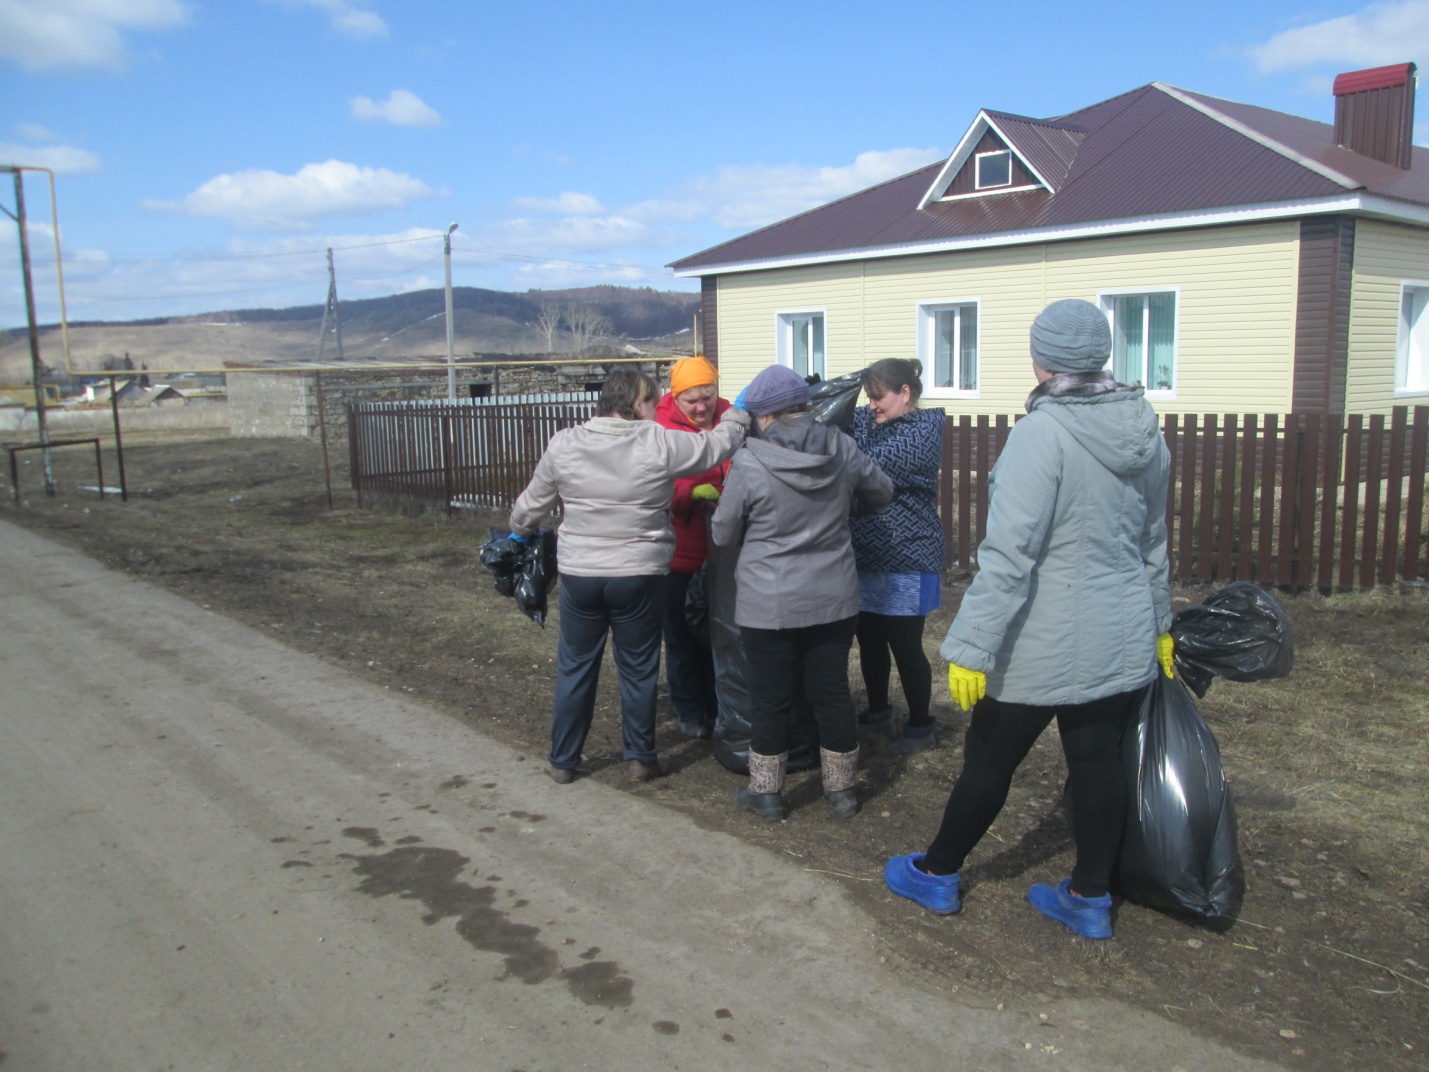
(330, 310)
(37, 367)
(451, 361)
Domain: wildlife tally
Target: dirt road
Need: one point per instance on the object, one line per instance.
(223, 854)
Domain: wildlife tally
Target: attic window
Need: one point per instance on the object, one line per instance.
(994, 169)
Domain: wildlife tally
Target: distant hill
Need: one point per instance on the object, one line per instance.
(399, 326)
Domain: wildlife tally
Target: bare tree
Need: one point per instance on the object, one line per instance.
(585, 324)
(548, 323)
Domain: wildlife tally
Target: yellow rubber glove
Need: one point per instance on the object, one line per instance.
(967, 686)
(705, 493)
(1165, 652)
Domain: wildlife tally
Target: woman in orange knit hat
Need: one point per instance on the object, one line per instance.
(692, 405)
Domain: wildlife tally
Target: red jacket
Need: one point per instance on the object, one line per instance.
(687, 516)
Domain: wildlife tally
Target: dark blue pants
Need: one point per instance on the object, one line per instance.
(629, 609)
(689, 665)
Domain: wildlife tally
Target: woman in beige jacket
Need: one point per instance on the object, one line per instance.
(615, 477)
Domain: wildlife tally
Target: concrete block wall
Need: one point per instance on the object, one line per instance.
(272, 404)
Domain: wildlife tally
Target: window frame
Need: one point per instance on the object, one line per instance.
(927, 319)
(784, 336)
(1403, 342)
(1106, 301)
(978, 158)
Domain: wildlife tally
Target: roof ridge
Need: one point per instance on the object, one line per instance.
(1035, 121)
(1199, 102)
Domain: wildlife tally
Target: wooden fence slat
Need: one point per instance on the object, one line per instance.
(1265, 541)
(1329, 499)
(1245, 554)
(1289, 485)
(1374, 459)
(984, 466)
(1350, 500)
(1205, 536)
(1226, 519)
(1185, 549)
(1393, 496)
(1308, 471)
(1414, 509)
(965, 492)
(1171, 433)
(946, 474)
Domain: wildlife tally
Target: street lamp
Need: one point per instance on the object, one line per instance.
(451, 361)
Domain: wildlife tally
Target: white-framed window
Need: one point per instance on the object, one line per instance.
(1411, 364)
(1143, 338)
(994, 169)
(799, 342)
(948, 347)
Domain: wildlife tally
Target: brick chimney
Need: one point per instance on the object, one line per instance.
(1374, 112)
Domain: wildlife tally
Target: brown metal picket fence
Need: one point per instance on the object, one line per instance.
(1329, 501)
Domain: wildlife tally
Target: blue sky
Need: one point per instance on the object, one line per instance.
(208, 151)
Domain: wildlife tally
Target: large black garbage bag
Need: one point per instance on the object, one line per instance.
(732, 728)
(1239, 633)
(526, 570)
(833, 401)
(697, 605)
(1179, 851)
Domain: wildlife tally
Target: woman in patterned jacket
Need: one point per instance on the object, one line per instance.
(899, 552)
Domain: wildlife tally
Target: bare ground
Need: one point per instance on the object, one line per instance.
(1328, 966)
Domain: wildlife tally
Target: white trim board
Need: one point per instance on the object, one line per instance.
(1360, 204)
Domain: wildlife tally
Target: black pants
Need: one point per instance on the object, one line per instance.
(999, 738)
(628, 608)
(775, 658)
(878, 634)
(689, 665)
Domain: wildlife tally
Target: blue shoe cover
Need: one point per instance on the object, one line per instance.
(936, 893)
(1088, 916)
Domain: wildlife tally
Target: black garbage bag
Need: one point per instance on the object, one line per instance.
(1179, 852)
(833, 401)
(1239, 633)
(697, 605)
(732, 728)
(537, 576)
(526, 570)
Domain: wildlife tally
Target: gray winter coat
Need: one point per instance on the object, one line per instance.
(1073, 581)
(786, 505)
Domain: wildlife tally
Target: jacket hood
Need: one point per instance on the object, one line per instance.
(1118, 427)
(668, 415)
(798, 452)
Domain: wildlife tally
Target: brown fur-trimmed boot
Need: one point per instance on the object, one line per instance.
(764, 793)
(840, 771)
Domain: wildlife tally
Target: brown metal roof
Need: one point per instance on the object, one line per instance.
(1144, 153)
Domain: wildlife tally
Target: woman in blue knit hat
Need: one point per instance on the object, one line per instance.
(1066, 619)
(786, 506)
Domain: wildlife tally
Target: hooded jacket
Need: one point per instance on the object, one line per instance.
(615, 478)
(1073, 581)
(786, 505)
(687, 516)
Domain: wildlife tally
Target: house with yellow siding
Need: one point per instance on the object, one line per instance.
(1247, 260)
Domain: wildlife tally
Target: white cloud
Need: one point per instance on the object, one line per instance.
(265, 200)
(345, 17)
(61, 159)
(569, 203)
(748, 196)
(35, 132)
(401, 108)
(1383, 33)
(568, 234)
(47, 34)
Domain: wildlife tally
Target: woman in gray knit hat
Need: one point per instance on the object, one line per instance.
(1066, 618)
(786, 506)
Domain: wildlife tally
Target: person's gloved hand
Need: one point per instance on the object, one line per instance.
(705, 493)
(967, 686)
(524, 541)
(1165, 654)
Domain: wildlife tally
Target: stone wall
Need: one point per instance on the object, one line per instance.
(272, 404)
